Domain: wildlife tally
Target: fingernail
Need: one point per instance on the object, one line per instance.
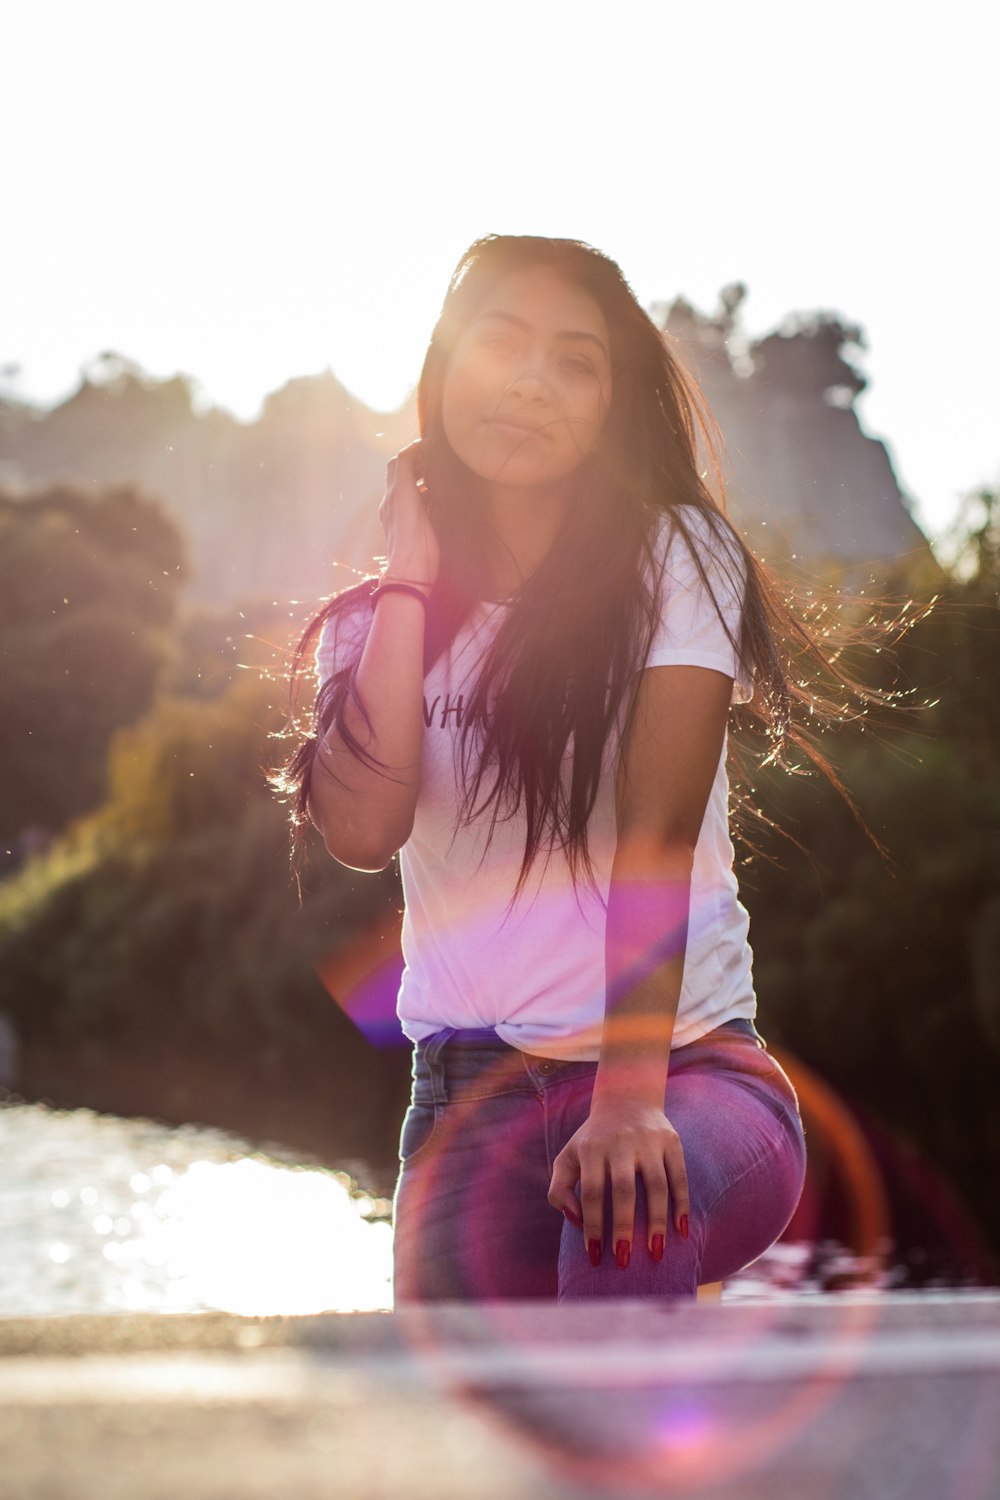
(684, 1226)
(622, 1252)
(657, 1246)
(594, 1251)
(572, 1219)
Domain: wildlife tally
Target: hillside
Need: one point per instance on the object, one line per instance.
(271, 507)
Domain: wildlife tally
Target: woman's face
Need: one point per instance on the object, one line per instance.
(528, 384)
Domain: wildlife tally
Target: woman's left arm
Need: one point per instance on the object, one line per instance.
(668, 763)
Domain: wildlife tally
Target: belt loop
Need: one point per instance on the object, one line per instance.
(432, 1056)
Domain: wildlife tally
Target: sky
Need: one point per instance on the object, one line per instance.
(248, 192)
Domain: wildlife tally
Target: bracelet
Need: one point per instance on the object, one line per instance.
(401, 588)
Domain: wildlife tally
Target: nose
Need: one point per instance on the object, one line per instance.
(531, 384)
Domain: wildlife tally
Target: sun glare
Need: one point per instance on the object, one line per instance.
(257, 1239)
(249, 1236)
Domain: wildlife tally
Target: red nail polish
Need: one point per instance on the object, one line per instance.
(657, 1246)
(572, 1219)
(594, 1251)
(622, 1252)
(684, 1226)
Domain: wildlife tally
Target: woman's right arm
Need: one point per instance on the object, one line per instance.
(365, 815)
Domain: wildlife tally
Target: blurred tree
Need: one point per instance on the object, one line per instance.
(165, 930)
(884, 978)
(216, 644)
(954, 655)
(87, 592)
(807, 355)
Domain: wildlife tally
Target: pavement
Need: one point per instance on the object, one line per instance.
(867, 1395)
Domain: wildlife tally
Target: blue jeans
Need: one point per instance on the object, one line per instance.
(471, 1216)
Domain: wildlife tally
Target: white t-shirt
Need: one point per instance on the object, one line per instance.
(537, 975)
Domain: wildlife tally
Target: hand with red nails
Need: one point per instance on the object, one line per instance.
(621, 1139)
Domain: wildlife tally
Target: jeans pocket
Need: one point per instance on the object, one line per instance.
(419, 1126)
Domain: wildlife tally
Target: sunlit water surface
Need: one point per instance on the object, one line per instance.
(101, 1214)
(104, 1214)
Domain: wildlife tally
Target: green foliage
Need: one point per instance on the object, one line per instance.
(87, 589)
(880, 975)
(849, 948)
(64, 549)
(190, 766)
(198, 937)
(168, 925)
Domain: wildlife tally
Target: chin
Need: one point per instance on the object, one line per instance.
(518, 471)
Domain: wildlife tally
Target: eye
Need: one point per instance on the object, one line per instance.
(579, 366)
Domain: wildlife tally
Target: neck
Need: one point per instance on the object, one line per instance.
(523, 524)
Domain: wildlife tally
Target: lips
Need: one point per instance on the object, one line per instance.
(508, 424)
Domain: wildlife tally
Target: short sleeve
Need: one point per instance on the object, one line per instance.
(342, 636)
(690, 632)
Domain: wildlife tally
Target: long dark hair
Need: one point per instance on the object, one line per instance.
(561, 663)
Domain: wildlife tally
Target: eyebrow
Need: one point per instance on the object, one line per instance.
(564, 333)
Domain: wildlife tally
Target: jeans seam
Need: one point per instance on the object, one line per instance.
(790, 1106)
(751, 1167)
(463, 1098)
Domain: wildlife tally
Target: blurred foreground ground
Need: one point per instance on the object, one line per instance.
(859, 1395)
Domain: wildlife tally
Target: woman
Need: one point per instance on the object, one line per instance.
(530, 706)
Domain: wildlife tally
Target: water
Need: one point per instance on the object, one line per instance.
(104, 1214)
